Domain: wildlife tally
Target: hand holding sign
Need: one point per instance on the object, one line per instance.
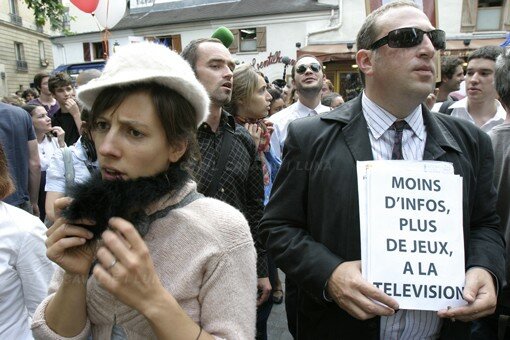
(355, 295)
(480, 294)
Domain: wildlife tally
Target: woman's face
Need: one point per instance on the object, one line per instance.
(40, 119)
(256, 106)
(276, 106)
(131, 141)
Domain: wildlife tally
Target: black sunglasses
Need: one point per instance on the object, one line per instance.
(410, 37)
(315, 67)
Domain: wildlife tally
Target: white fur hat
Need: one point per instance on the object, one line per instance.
(149, 62)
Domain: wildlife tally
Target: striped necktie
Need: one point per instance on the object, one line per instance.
(399, 127)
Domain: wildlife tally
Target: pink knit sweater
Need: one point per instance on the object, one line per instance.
(204, 256)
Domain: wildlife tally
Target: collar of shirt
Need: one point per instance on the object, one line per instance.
(459, 103)
(379, 120)
(301, 110)
(226, 121)
(462, 112)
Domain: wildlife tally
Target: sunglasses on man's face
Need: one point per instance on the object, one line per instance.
(315, 67)
(409, 37)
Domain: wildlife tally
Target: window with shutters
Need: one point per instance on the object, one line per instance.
(14, 13)
(251, 39)
(98, 50)
(19, 52)
(247, 39)
(485, 15)
(173, 42)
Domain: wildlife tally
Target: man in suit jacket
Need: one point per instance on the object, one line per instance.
(311, 224)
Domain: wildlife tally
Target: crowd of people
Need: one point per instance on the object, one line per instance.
(158, 198)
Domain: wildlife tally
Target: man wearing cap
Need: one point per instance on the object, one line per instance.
(311, 224)
(239, 182)
(308, 79)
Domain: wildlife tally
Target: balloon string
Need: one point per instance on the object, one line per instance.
(107, 15)
(106, 50)
(99, 28)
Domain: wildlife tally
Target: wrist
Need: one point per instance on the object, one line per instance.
(71, 279)
(161, 303)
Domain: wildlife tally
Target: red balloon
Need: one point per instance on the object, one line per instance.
(87, 6)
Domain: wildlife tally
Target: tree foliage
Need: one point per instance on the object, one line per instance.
(48, 10)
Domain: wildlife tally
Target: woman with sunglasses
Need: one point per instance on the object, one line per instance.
(170, 264)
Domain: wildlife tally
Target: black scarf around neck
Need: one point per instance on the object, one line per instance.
(98, 200)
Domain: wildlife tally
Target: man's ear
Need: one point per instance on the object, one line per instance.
(177, 149)
(364, 61)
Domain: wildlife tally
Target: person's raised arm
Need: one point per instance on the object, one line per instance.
(34, 174)
(66, 312)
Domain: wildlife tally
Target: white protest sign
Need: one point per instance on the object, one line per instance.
(414, 248)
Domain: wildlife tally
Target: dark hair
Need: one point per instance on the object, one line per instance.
(449, 66)
(177, 115)
(369, 31)
(328, 98)
(31, 91)
(293, 71)
(38, 79)
(275, 94)
(58, 80)
(486, 52)
(189, 53)
(29, 108)
(502, 78)
(6, 184)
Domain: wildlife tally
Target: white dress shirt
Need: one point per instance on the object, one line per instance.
(282, 119)
(25, 271)
(405, 324)
(460, 111)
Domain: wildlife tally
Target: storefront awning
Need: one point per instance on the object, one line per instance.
(326, 53)
(337, 52)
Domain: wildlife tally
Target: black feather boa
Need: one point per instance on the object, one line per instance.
(98, 200)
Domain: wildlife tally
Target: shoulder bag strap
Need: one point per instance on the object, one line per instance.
(226, 146)
(68, 166)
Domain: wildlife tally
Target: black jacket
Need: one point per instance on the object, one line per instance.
(311, 223)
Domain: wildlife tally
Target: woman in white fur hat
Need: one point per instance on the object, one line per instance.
(142, 254)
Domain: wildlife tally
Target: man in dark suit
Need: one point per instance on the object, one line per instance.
(311, 224)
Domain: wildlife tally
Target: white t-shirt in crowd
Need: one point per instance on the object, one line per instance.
(55, 175)
(25, 271)
(47, 148)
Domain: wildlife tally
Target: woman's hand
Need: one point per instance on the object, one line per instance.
(269, 125)
(66, 244)
(60, 133)
(125, 267)
(255, 132)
